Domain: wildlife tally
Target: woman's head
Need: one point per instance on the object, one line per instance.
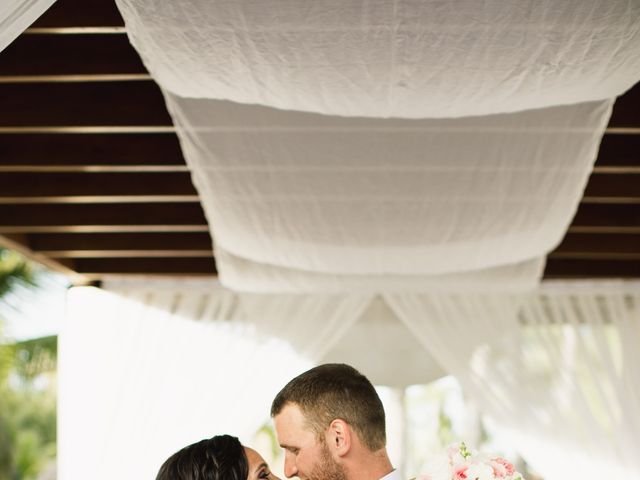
(219, 458)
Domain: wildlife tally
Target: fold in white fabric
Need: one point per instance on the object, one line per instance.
(381, 346)
(17, 15)
(244, 275)
(406, 58)
(339, 196)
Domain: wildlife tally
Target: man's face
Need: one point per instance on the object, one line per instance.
(305, 456)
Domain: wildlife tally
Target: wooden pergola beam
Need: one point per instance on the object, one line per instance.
(565, 268)
(120, 241)
(26, 184)
(133, 214)
(123, 103)
(80, 13)
(94, 267)
(65, 266)
(48, 55)
(84, 149)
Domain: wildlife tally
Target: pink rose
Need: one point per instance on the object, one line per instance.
(499, 470)
(501, 464)
(459, 472)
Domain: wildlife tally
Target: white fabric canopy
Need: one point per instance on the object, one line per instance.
(17, 15)
(498, 114)
(407, 58)
(307, 194)
(559, 369)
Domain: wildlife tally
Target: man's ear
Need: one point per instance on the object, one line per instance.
(339, 437)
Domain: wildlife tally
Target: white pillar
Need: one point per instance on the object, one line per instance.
(393, 401)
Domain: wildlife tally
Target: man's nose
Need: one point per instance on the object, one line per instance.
(290, 469)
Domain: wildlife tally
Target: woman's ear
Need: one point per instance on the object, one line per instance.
(339, 437)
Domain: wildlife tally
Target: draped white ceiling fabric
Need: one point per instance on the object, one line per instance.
(306, 194)
(376, 58)
(17, 15)
(369, 154)
(559, 369)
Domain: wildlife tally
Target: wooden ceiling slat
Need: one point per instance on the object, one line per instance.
(119, 241)
(134, 103)
(90, 149)
(33, 215)
(16, 242)
(599, 243)
(613, 185)
(78, 104)
(70, 55)
(573, 242)
(108, 228)
(594, 255)
(141, 253)
(593, 268)
(626, 108)
(556, 268)
(24, 184)
(80, 13)
(598, 215)
(126, 149)
(619, 150)
(71, 184)
(166, 266)
(605, 230)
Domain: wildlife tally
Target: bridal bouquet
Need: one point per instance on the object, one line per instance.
(461, 464)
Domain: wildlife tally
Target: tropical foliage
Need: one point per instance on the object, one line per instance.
(27, 386)
(14, 271)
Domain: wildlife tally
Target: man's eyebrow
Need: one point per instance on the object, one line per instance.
(287, 447)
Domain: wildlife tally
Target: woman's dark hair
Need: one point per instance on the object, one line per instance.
(218, 458)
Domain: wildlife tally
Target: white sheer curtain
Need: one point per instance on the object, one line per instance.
(376, 58)
(385, 350)
(559, 369)
(17, 15)
(148, 369)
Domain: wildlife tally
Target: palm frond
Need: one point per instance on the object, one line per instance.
(15, 271)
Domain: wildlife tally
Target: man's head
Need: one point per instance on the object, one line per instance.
(325, 414)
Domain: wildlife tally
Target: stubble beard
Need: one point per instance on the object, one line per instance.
(327, 468)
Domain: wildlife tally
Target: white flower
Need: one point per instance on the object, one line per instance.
(479, 471)
(437, 467)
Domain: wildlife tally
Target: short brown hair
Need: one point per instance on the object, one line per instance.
(336, 391)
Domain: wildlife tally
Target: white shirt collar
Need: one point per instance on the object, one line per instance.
(393, 475)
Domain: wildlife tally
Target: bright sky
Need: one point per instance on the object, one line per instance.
(37, 312)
